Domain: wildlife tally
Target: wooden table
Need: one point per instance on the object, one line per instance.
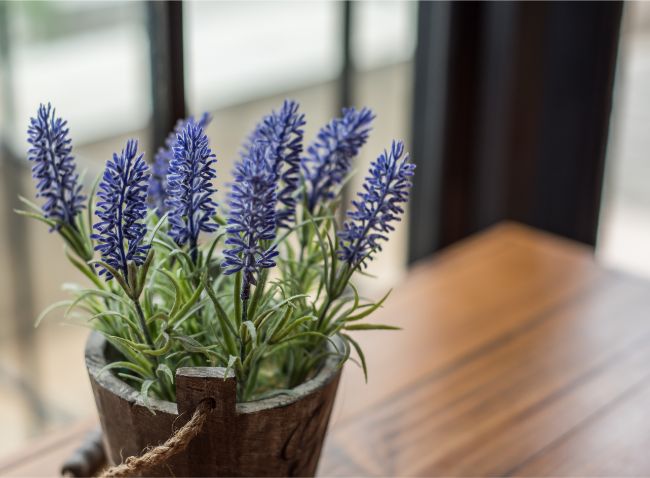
(519, 356)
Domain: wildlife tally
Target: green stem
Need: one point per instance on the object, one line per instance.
(237, 299)
(143, 323)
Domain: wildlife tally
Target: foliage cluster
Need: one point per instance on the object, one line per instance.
(260, 286)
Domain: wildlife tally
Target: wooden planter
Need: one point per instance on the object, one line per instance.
(279, 436)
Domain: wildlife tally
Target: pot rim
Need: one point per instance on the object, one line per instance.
(95, 357)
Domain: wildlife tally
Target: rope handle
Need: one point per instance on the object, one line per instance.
(135, 465)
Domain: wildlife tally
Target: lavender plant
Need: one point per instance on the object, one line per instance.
(157, 196)
(328, 159)
(190, 190)
(267, 292)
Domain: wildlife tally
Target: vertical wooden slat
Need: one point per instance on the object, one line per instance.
(165, 24)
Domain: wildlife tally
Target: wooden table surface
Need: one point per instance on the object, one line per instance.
(519, 356)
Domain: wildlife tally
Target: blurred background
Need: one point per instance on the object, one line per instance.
(535, 112)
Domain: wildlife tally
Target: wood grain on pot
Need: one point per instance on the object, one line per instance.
(279, 436)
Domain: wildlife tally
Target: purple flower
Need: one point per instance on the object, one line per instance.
(160, 165)
(54, 167)
(252, 217)
(328, 159)
(385, 189)
(190, 190)
(282, 132)
(121, 210)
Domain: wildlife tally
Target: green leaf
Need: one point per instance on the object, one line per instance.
(259, 290)
(182, 318)
(371, 327)
(279, 324)
(163, 244)
(86, 293)
(29, 204)
(142, 273)
(164, 370)
(213, 246)
(236, 298)
(251, 330)
(162, 350)
(294, 325)
(118, 277)
(85, 269)
(359, 351)
(72, 237)
(186, 307)
(323, 248)
(125, 348)
(134, 346)
(110, 313)
(232, 359)
(177, 288)
(132, 278)
(309, 334)
(38, 217)
(191, 345)
(157, 227)
(366, 313)
(49, 309)
(90, 210)
(227, 330)
(127, 365)
(144, 391)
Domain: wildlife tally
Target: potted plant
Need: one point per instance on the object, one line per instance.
(219, 332)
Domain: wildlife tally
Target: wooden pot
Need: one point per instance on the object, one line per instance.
(279, 436)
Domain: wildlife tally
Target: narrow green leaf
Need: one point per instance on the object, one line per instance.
(236, 298)
(251, 330)
(323, 248)
(227, 329)
(49, 309)
(38, 217)
(164, 370)
(371, 327)
(259, 290)
(359, 351)
(232, 359)
(177, 288)
(29, 204)
(370, 310)
(157, 227)
(162, 350)
(191, 301)
(144, 391)
(118, 277)
(142, 275)
(127, 365)
(85, 269)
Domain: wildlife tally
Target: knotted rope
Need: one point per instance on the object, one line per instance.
(136, 465)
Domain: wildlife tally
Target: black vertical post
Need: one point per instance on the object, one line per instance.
(428, 127)
(511, 115)
(346, 79)
(165, 22)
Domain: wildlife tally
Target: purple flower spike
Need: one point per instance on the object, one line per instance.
(190, 190)
(282, 132)
(121, 210)
(385, 189)
(54, 167)
(252, 217)
(160, 166)
(328, 159)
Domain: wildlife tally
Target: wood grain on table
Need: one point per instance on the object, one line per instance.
(519, 356)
